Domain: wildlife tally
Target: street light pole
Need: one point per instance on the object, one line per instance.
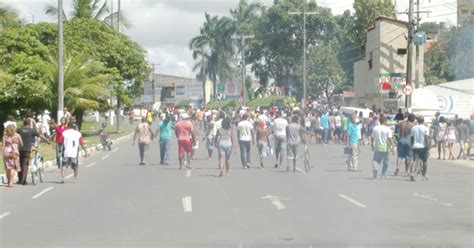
(242, 39)
(409, 52)
(304, 13)
(60, 61)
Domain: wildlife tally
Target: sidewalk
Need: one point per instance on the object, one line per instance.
(51, 164)
(467, 162)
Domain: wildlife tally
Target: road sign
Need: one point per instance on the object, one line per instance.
(407, 90)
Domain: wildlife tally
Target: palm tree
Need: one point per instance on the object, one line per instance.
(8, 17)
(213, 45)
(90, 9)
(85, 84)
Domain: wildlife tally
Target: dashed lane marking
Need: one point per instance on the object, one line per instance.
(352, 201)
(106, 156)
(90, 165)
(42, 192)
(69, 176)
(4, 215)
(187, 204)
(188, 173)
(115, 149)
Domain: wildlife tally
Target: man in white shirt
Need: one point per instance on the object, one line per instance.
(246, 135)
(381, 144)
(279, 126)
(71, 141)
(45, 121)
(420, 140)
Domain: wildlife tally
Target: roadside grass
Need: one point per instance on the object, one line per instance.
(90, 132)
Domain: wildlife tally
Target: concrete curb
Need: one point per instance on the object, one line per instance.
(51, 164)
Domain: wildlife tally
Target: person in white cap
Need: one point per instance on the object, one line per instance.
(186, 136)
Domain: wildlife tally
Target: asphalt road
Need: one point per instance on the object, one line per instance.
(117, 203)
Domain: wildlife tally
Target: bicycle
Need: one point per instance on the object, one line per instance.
(306, 158)
(37, 166)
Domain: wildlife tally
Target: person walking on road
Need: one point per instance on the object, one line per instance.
(463, 137)
(186, 136)
(72, 139)
(279, 126)
(11, 154)
(441, 137)
(450, 138)
(144, 134)
(293, 134)
(29, 136)
(353, 144)
(325, 126)
(246, 135)
(164, 130)
(263, 141)
(211, 135)
(381, 141)
(404, 149)
(225, 145)
(420, 139)
(58, 136)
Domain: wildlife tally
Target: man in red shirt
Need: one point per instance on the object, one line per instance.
(184, 131)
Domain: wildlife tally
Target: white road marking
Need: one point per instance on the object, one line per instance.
(300, 170)
(187, 204)
(42, 192)
(69, 176)
(4, 215)
(115, 149)
(90, 165)
(106, 156)
(188, 173)
(430, 197)
(276, 201)
(352, 201)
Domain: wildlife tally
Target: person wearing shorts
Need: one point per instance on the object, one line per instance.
(186, 136)
(144, 134)
(225, 144)
(293, 133)
(71, 140)
(279, 131)
(420, 136)
(404, 149)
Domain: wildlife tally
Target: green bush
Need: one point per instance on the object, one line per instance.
(265, 102)
(225, 104)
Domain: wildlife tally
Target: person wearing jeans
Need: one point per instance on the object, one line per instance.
(353, 143)
(246, 135)
(381, 141)
(164, 129)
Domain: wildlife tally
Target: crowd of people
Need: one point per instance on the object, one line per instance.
(272, 131)
(281, 131)
(20, 143)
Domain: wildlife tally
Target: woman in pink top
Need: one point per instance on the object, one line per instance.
(58, 133)
(11, 153)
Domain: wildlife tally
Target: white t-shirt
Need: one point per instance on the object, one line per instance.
(245, 130)
(381, 135)
(263, 118)
(338, 121)
(279, 127)
(72, 139)
(418, 133)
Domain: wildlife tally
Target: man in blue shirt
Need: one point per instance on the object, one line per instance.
(325, 125)
(165, 130)
(353, 144)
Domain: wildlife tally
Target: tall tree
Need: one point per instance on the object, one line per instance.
(214, 39)
(365, 12)
(90, 9)
(8, 17)
(326, 76)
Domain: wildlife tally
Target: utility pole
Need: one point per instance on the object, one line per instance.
(303, 101)
(242, 39)
(409, 52)
(119, 100)
(417, 71)
(153, 84)
(60, 61)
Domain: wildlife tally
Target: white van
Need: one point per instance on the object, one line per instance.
(352, 110)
